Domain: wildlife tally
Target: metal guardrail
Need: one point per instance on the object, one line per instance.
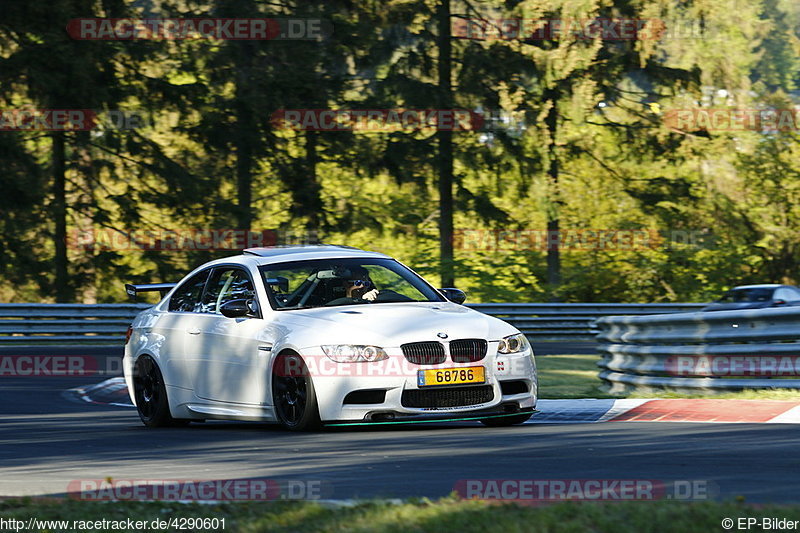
(573, 322)
(106, 323)
(694, 351)
(66, 323)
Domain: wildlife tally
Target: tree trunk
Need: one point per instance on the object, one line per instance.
(244, 172)
(246, 132)
(311, 196)
(553, 198)
(63, 290)
(445, 141)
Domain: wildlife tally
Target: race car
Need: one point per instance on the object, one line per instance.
(315, 335)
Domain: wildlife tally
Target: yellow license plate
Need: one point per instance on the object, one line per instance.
(451, 376)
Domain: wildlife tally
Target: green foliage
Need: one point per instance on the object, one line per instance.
(449, 514)
(717, 208)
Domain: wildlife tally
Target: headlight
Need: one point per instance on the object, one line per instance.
(354, 353)
(513, 344)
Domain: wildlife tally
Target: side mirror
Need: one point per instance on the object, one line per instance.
(454, 295)
(779, 302)
(239, 308)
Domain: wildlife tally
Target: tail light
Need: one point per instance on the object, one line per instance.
(128, 334)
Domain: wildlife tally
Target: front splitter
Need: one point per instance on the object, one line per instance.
(431, 418)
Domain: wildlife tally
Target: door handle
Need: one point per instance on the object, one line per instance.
(193, 331)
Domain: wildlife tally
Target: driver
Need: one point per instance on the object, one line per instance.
(359, 285)
(359, 289)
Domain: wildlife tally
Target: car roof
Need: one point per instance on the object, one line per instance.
(276, 254)
(762, 286)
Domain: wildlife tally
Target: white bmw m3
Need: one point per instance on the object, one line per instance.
(313, 335)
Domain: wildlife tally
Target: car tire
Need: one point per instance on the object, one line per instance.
(293, 394)
(504, 421)
(151, 395)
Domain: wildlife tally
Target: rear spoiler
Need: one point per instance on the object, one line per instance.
(162, 288)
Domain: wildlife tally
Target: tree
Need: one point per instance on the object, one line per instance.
(45, 67)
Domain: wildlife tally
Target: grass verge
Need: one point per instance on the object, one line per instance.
(445, 515)
(575, 376)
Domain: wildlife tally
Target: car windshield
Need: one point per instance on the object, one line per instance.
(747, 295)
(335, 282)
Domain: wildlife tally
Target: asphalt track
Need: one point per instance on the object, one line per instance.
(47, 442)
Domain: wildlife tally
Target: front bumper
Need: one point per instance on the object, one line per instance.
(393, 379)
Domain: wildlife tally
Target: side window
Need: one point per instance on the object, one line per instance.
(787, 295)
(224, 285)
(187, 297)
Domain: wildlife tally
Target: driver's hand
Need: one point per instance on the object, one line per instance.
(371, 295)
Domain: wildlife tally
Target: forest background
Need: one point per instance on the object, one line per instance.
(607, 165)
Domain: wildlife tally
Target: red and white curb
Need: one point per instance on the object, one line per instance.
(584, 411)
(668, 410)
(112, 391)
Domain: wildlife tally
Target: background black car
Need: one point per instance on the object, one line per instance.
(756, 297)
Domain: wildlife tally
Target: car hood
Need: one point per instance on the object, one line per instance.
(391, 324)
